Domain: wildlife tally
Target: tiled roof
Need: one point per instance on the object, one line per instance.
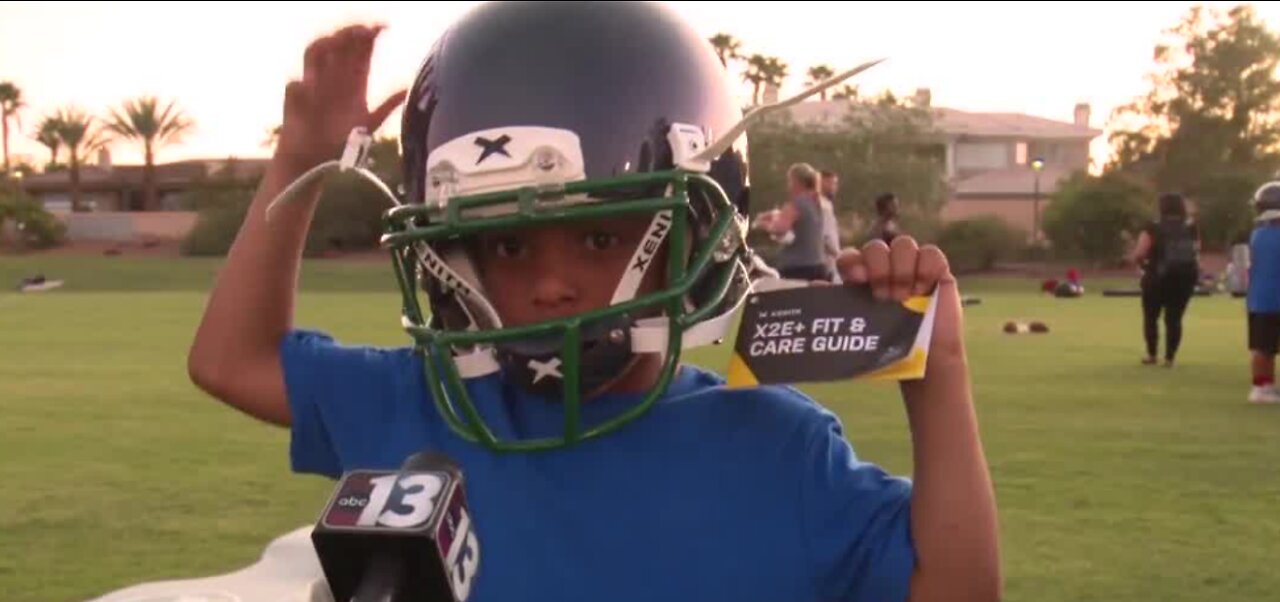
(962, 123)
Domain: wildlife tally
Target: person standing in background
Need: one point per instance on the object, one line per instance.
(828, 186)
(798, 224)
(1264, 294)
(1168, 250)
(886, 226)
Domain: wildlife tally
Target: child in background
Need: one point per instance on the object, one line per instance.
(1264, 294)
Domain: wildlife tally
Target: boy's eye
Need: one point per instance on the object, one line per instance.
(599, 241)
(506, 247)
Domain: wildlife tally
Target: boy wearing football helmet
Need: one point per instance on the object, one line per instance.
(574, 217)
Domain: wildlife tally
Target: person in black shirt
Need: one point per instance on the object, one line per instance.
(1168, 251)
(886, 225)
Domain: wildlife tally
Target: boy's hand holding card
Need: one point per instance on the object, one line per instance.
(828, 333)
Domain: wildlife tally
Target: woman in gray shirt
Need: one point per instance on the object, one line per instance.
(803, 256)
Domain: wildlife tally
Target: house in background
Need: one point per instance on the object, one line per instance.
(113, 197)
(106, 187)
(991, 159)
(990, 156)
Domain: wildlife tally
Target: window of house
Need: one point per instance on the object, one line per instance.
(1020, 154)
(982, 155)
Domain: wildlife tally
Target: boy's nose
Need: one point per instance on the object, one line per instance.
(555, 276)
(552, 290)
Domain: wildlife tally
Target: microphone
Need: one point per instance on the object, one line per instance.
(399, 536)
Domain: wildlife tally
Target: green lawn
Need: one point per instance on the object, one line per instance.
(1115, 481)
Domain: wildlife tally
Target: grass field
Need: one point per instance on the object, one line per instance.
(1114, 481)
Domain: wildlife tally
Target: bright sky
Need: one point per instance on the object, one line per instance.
(226, 63)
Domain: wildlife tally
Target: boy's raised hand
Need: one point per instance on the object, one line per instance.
(953, 512)
(331, 99)
(235, 356)
(906, 269)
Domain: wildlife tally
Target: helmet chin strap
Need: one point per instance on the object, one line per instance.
(642, 258)
(651, 335)
(456, 273)
(355, 158)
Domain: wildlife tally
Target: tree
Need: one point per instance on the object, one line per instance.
(817, 74)
(845, 92)
(144, 120)
(727, 47)
(873, 148)
(1222, 208)
(1089, 217)
(81, 137)
(272, 138)
(47, 134)
(1213, 107)
(10, 103)
(775, 72)
(887, 99)
(756, 75)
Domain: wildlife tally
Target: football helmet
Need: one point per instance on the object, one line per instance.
(535, 113)
(538, 113)
(1266, 201)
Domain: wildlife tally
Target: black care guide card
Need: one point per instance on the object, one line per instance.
(830, 333)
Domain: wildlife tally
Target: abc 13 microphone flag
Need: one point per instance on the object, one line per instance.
(406, 513)
(830, 333)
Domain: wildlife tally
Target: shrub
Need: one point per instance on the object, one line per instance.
(35, 227)
(979, 243)
(221, 211)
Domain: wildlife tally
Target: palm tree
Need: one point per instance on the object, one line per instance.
(887, 99)
(845, 92)
(757, 66)
(77, 132)
(272, 137)
(727, 47)
(143, 119)
(818, 74)
(10, 103)
(775, 72)
(47, 134)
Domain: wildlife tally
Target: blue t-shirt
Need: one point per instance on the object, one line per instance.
(1264, 269)
(714, 494)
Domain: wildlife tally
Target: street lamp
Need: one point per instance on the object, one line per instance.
(14, 176)
(1037, 166)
